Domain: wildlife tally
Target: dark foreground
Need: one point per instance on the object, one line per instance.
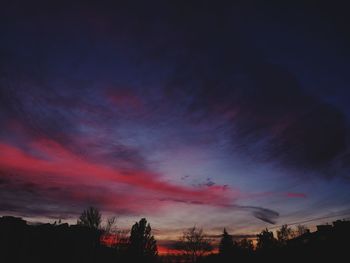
(20, 242)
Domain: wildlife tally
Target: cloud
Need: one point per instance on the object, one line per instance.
(48, 171)
(57, 180)
(203, 66)
(195, 79)
(296, 195)
(269, 115)
(264, 214)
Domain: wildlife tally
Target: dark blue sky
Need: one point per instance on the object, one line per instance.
(232, 115)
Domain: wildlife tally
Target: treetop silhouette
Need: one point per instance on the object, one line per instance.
(142, 243)
(91, 218)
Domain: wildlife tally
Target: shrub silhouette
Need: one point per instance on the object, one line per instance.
(142, 244)
(284, 234)
(266, 240)
(226, 244)
(194, 244)
(91, 218)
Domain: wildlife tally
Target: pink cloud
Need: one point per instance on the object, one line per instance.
(296, 195)
(50, 164)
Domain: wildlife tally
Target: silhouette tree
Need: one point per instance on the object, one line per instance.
(122, 241)
(284, 233)
(142, 243)
(301, 230)
(226, 244)
(111, 225)
(91, 218)
(194, 244)
(266, 240)
(246, 245)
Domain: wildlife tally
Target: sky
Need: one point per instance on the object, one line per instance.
(184, 112)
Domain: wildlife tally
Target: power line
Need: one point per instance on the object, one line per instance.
(311, 220)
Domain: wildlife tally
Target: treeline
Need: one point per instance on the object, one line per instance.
(329, 242)
(85, 242)
(91, 240)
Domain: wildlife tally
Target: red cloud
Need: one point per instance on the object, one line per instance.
(49, 164)
(296, 195)
(164, 250)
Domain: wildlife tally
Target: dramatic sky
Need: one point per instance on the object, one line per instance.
(186, 113)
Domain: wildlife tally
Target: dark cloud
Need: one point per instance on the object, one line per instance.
(269, 113)
(264, 214)
(208, 182)
(184, 177)
(29, 197)
(26, 198)
(166, 67)
(214, 71)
